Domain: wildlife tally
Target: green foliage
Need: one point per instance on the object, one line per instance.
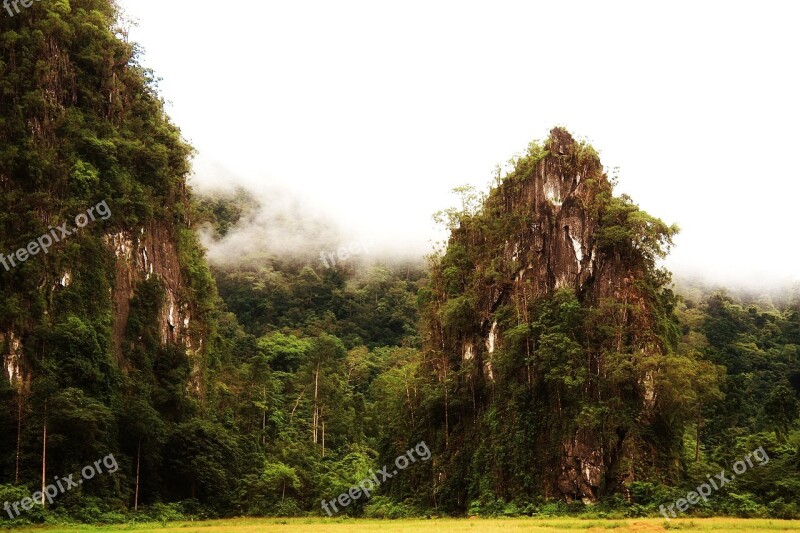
(471, 203)
(257, 494)
(374, 308)
(383, 507)
(12, 494)
(565, 366)
(458, 314)
(630, 232)
(311, 377)
(204, 461)
(224, 211)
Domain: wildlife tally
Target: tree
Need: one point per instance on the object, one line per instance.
(781, 408)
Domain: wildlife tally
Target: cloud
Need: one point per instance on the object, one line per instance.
(370, 112)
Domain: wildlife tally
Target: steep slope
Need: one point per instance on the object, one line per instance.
(547, 324)
(67, 147)
(111, 310)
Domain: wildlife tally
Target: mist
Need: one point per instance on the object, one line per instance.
(365, 137)
(290, 225)
(286, 224)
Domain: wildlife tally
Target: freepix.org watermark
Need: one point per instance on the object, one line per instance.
(704, 490)
(344, 253)
(355, 492)
(56, 234)
(61, 486)
(8, 4)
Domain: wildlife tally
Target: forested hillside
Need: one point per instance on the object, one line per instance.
(543, 358)
(559, 366)
(107, 326)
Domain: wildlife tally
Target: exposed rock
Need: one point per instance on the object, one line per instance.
(554, 246)
(12, 358)
(152, 251)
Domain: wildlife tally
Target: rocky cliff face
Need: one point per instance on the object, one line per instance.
(547, 229)
(139, 254)
(152, 252)
(557, 247)
(80, 123)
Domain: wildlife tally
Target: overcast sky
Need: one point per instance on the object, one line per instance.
(373, 111)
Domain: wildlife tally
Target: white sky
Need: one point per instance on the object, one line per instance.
(374, 110)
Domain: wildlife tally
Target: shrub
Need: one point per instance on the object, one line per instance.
(383, 507)
(11, 494)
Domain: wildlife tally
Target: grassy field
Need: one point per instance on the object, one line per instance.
(718, 525)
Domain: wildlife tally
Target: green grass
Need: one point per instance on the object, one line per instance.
(301, 525)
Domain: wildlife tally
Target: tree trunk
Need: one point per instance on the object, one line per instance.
(528, 359)
(697, 439)
(19, 435)
(264, 421)
(138, 465)
(291, 416)
(44, 454)
(446, 411)
(316, 407)
(408, 400)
